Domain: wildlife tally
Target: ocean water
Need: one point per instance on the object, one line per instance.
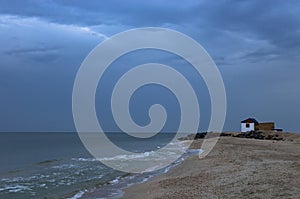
(56, 165)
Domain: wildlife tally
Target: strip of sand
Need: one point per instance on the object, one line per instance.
(235, 168)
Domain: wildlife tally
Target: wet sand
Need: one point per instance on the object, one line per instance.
(235, 168)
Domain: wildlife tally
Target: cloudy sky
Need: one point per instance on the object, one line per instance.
(255, 44)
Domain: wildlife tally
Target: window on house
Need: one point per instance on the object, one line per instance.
(247, 125)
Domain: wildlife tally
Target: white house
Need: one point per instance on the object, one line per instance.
(248, 125)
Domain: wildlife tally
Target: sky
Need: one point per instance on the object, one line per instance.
(255, 44)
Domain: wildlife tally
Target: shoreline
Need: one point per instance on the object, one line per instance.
(115, 190)
(236, 167)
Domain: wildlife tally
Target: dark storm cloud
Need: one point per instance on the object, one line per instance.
(275, 21)
(30, 51)
(255, 43)
(40, 54)
(99, 12)
(260, 54)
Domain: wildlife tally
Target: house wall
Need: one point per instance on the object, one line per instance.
(266, 126)
(245, 129)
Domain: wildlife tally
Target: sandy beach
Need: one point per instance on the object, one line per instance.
(235, 168)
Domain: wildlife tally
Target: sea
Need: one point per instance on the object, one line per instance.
(57, 165)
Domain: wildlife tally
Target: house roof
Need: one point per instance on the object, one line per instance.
(250, 120)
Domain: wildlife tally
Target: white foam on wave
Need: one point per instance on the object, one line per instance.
(84, 159)
(64, 166)
(173, 148)
(15, 189)
(195, 151)
(24, 179)
(128, 157)
(77, 195)
(115, 181)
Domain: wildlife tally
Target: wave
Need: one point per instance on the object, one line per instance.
(173, 149)
(77, 195)
(47, 162)
(85, 159)
(15, 189)
(83, 174)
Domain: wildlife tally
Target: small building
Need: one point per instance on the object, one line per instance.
(266, 126)
(248, 125)
(252, 124)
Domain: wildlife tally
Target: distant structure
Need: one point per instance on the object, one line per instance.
(249, 124)
(252, 124)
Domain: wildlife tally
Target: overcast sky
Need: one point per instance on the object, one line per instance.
(255, 44)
